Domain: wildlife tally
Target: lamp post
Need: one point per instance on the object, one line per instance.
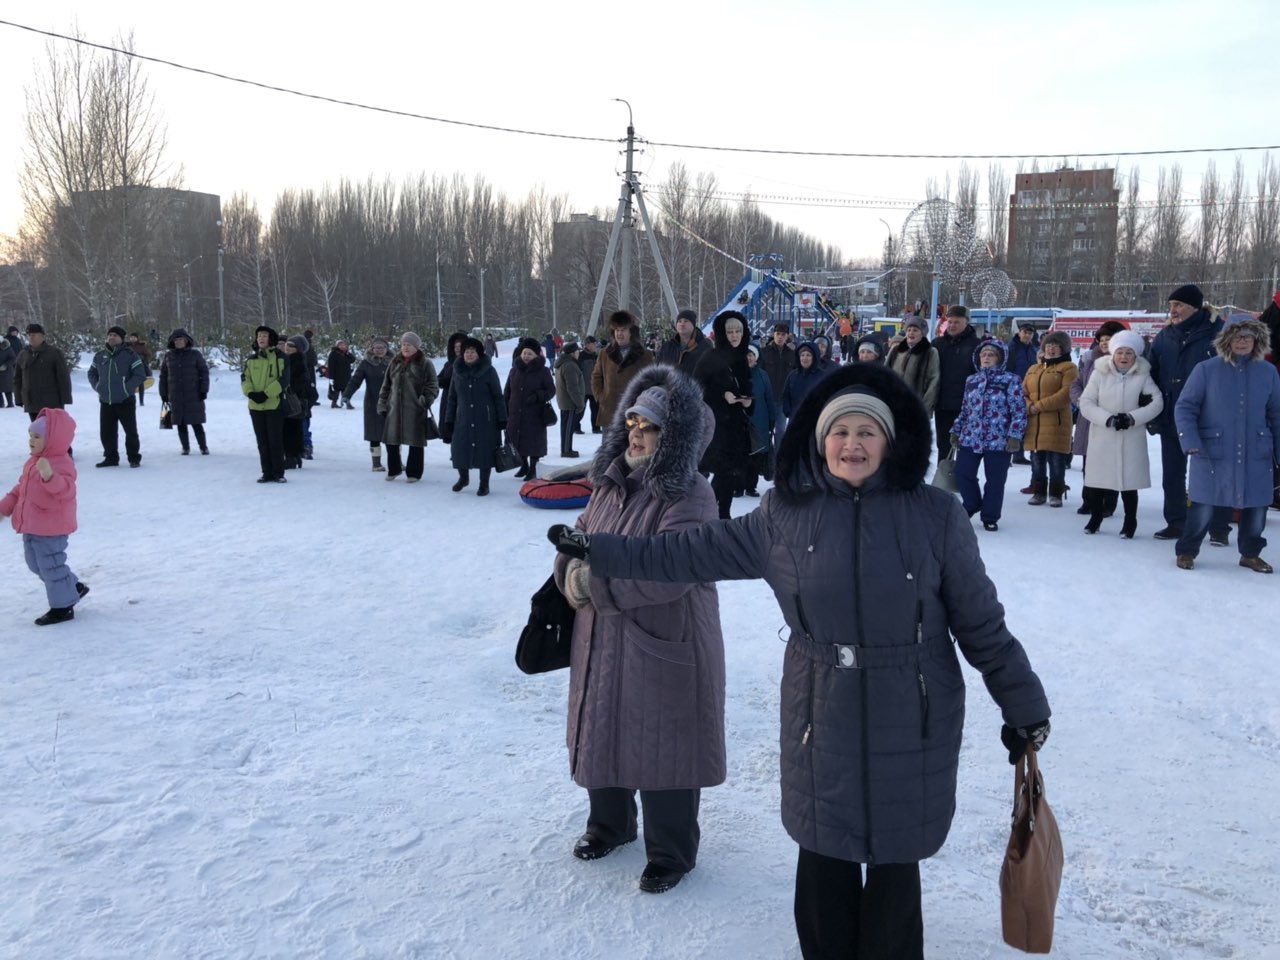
(890, 257)
(482, 270)
(222, 314)
(187, 267)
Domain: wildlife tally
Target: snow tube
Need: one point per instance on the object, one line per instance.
(557, 494)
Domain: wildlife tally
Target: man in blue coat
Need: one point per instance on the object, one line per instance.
(116, 374)
(1175, 352)
(1228, 420)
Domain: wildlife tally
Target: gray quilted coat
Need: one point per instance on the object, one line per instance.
(873, 583)
(646, 677)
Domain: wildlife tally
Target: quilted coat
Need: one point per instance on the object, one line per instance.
(872, 584)
(408, 391)
(1117, 459)
(994, 409)
(184, 381)
(1048, 383)
(646, 677)
(528, 389)
(40, 508)
(1229, 410)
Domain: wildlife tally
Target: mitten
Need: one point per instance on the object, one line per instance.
(1013, 445)
(257, 396)
(422, 401)
(577, 584)
(1123, 421)
(570, 542)
(446, 432)
(1018, 739)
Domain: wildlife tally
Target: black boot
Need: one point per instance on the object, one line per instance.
(483, 490)
(533, 469)
(1130, 526)
(464, 477)
(56, 615)
(1095, 522)
(523, 472)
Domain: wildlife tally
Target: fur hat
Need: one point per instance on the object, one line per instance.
(299, 343)
(272, 337)
(652, 405)
(34, 328)
(528, 343)
(1189, 294)
(673, 470)
(1108, 329)
(1245, 324)
(471, 343)
(118, 331)
(1061, 338)
(1127, 338)
(623, 318)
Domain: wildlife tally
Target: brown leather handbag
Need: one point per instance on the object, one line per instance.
(1032, 869)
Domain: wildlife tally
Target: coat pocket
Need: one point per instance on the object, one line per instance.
(659, 711)
(1212, 444)
(1263, 446)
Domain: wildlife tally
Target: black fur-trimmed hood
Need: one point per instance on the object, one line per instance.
(739, 352)
(684, 438)
(800, 472)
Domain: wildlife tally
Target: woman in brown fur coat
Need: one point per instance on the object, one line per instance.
(1048, 389)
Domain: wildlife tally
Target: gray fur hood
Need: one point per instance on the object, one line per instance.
(684, 438)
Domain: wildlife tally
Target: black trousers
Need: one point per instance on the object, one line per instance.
(671, 831)
(723, 485)
(594, 407)
(292, 427)
(943, 421)
(414, 466)
(186, 442)
(569, 420)
(839, 916)
(112, 416)
(268, 429)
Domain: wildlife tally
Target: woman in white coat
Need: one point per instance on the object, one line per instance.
(1119, 401)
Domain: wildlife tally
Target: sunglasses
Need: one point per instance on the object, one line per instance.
(644, 426)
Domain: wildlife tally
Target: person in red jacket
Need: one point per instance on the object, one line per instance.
(42, 506)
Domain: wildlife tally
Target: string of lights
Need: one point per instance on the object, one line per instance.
(864, 155)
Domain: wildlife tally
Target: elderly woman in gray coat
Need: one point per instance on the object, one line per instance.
(646, 677)
(407, 392)
(874, 572)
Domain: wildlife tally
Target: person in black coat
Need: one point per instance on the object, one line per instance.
(452, 351)
(184, 385)
(955, 365)
(370, 372)
(473, 415)
(298, 379)
(725, 376)
(528, 389)
(339, 365)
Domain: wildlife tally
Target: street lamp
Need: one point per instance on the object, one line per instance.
(222, 314)
(187, 267)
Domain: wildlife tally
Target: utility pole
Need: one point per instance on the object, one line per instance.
(482, 270)
(628, 219)
(439, 295)
(222, 310)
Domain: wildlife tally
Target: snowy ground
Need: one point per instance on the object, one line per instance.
(286, 723)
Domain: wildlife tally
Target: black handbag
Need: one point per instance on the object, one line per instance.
(756, 441)
(544, 642)
(505, 458)
(166, 418)
(430, 430)
(549, 414)
(292, 406)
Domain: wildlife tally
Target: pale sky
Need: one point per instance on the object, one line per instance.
(914, 76)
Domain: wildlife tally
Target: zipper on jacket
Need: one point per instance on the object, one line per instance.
(863, 683)
(813, 675)
(924, 707)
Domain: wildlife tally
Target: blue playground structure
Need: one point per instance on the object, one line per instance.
(766, 298)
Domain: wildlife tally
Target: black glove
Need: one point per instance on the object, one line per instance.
(203, 397)
(1123, 421)
(1018, 739)
(446, 432)
(257, 396)
(570, 542)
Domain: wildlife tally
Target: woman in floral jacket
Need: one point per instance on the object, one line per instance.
(989, 429)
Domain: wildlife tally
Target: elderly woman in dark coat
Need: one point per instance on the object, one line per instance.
(184, 385)
(301, 385)
(407, 392)
(452, 351)
(370, 372)
(874, 571)
(725, 376)
(528, 389)
(8, 363)
(1228, 419)
(473, 416)
(646, 678)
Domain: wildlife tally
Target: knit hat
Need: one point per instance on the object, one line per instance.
(1189, 294)
(382, 340)
(753, 350)
(913, 322)
(652, 405)
(1127, 338)
(854, 400)
(118, 331)
(412, 339)
(40, 427)
(689, 315)
(869, 344)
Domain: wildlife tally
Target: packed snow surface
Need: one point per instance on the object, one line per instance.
(286, 723)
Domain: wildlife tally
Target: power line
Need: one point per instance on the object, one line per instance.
(659, 143)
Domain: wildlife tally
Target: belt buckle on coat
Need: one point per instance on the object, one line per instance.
(846, 656)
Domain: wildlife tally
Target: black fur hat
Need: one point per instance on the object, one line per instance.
(474, 344)
(531, 344)
(272, 337)
(800, 472)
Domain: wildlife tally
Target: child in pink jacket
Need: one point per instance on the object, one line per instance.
(43, 509)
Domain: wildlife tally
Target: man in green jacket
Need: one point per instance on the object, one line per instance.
(262, 381)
